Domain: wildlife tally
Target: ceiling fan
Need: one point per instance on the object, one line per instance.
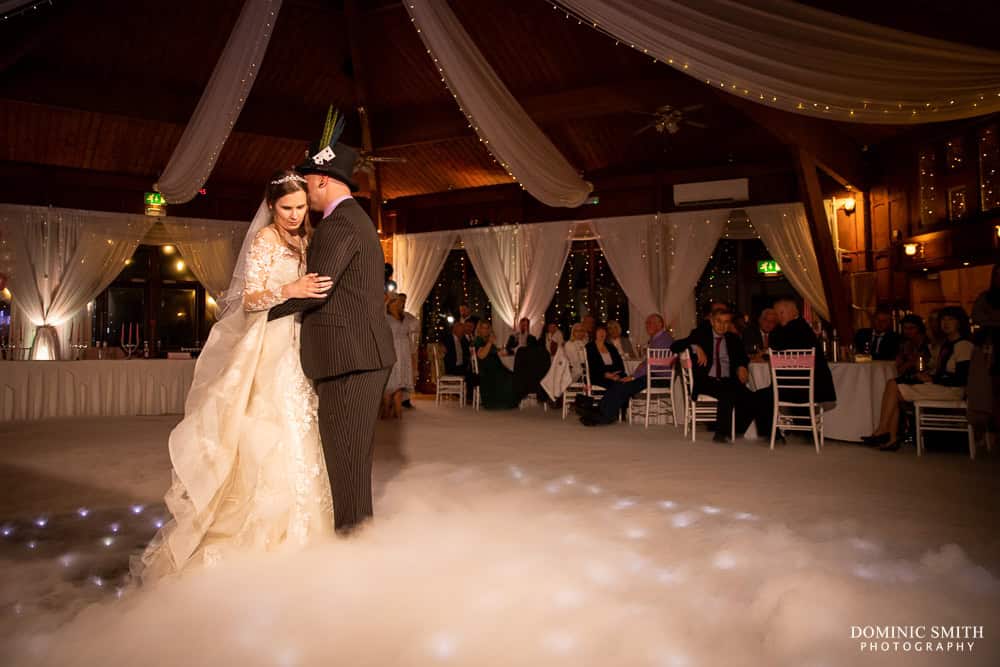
(366, 161)
(667, 119)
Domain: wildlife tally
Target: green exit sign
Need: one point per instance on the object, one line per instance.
(155, 199)
(768, 267)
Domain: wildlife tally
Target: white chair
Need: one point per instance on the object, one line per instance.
(447, 385)
(475, 371)
(657, 402)
(580, 388)
(944, 416)
(703, 409)
(795, 371)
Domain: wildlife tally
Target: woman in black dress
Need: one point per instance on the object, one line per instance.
(606, 366)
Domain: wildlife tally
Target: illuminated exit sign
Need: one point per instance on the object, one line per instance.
(154, 199)
(768, 267)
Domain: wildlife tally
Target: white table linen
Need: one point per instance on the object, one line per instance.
(33, 390)
(859, 396)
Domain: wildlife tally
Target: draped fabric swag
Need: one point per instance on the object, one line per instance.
(796, 58)
(503, 126)
(213, 119)
(63, 258)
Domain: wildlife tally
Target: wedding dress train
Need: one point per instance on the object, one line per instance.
(248, 466)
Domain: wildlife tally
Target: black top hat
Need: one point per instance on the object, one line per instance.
(329, 156)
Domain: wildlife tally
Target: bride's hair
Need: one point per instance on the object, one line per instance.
(285, 182)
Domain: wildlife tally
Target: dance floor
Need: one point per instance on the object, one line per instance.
(515, 539)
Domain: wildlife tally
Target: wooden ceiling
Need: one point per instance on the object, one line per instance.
(105, 87)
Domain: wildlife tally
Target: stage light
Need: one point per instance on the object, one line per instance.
(910, 249)
(108, 541)
(115, 527)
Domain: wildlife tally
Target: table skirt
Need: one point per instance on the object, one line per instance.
(32, 390)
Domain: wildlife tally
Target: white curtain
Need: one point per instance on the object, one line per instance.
(691, 240)
(805, 60)
(496, 257)
(658, 260)
(210, 248)
(785, 231)
(222, 100)
(417, 260)
(501, 123)
(544, 248)
(634, 248)
(63, 259)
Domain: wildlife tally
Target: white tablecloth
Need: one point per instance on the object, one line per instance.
(859, 396)
(45, 389)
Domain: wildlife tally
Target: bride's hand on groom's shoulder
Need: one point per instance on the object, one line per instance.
(309, 286)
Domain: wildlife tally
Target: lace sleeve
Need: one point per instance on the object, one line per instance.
(260, 259)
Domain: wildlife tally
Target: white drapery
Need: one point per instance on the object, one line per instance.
(210, 248)
(785, 231)
(501, 123)
(417, 260)
(519, 268)
(658, 259)
(805, 60)
(222, 100)
(63, 259)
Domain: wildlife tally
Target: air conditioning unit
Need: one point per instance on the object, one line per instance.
(712, 192)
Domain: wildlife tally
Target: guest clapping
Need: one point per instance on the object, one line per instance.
(520, 338)
(496, 383)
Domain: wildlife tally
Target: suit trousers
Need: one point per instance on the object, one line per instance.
(348, 409)
(730, 393)
(617, 397)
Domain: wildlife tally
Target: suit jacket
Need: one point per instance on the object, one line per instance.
(451, 366)
(344, 332)
(705, 339)
(888, 349)
(597, 366)
(754, 336)
(512, 342)
(798, 335)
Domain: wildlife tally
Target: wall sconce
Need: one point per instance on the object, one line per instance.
(910, 249)
(849, 205)
(996, 228)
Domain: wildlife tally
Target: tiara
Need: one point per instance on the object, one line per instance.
(289, 177)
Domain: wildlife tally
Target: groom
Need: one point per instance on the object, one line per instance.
(346, 345)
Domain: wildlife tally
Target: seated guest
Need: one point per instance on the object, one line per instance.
(470, 328)
(738, 324)
(880, 340)
(589, 324)
(464, 313)
(947, 383)
(606, 365)
(531, 364)
(757, 338)
(576, 350)
(707, 311)
(914, 347)
(553, 338)
(619, 340)
(796, 334)
(456, 351)
(496, 383)
(721, 370)
(520, 338)
(619, 393)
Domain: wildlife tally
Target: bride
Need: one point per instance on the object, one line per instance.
(248, 467)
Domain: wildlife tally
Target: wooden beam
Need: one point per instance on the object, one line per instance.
(833, 151)
(354, 38)
(826, 255)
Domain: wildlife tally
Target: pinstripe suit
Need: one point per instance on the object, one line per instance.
(347, 349)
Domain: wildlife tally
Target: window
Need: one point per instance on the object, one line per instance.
(587, 287)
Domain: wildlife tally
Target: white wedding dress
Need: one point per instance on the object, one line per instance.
(248, 466)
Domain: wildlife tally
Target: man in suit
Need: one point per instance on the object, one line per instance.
(619, 393)
(796, 334)
(346, 344)
(880, 340)
(457, 356)
(757, 339)
(721, 370)
(520, 338)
